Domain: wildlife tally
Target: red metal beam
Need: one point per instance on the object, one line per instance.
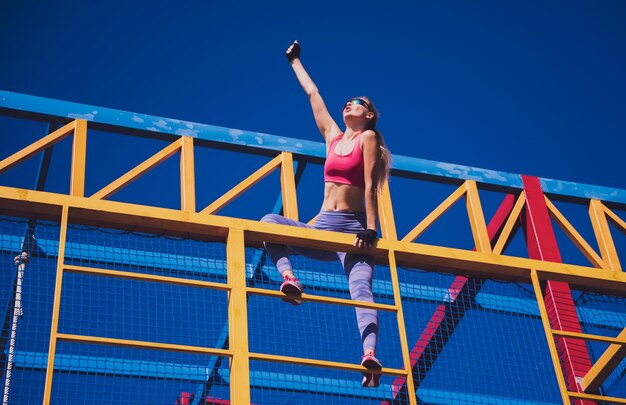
(447, 316)
(542, 245)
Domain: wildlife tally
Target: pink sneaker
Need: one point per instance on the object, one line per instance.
(291, 287)
(371, 363)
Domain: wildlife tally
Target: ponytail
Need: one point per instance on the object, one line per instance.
(383, 161)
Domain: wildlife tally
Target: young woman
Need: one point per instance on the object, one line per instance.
(356, 167)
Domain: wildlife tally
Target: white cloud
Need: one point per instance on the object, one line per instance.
(162, 124)
(187, 132)
(88, 117)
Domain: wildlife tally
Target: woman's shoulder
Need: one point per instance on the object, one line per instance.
(368, 136)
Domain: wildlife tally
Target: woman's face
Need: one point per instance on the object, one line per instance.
(356, 107)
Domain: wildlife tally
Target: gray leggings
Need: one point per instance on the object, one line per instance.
(359, 268)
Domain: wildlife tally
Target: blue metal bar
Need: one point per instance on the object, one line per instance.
(257, 142)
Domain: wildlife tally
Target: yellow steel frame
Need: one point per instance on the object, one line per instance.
(485, 261)
(604, 366)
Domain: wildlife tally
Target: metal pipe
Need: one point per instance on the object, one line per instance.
(20, 262)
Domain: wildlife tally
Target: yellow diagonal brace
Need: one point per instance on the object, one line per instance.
(616, 220)
(56, 307)
(587, 336)
(574, 236)
(240, 188)
(36, 147)
(79, 159)
(554, 354)
(477, 218)
(433, 216)
(601, 398)
(510, 224)
(138, 170)
(187, 176)
(605, 365)
(238, 318)
(385, 213)
(288, 186)
(603, 235)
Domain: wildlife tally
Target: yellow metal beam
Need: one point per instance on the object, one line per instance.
(324, 300)
(139, 170)
(605, 365)
(36, 147)
(318, 363)
(477, 218)
(617, 221)
(127, 275)
(574, 236)
(242, 187)
(437, 212)
(187, 176)
(554, 354)
(79, 159)
(603, 235)
(138, 344)
(288, 186)
(601, 398)
(385, 213)
(238, 319)
(56, 306)
(153, 219)
(620, 340)
(510, 224)
(404, 344)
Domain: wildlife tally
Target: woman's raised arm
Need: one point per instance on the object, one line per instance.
(325, 123)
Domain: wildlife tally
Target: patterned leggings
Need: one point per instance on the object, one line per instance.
(359, 268)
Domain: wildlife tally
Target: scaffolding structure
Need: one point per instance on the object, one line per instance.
(115, 277)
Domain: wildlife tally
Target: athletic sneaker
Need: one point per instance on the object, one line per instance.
(371, 363)
(291, 287)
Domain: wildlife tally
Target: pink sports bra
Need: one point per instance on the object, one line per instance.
(346, 169)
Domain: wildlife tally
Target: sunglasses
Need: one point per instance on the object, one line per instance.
(359, 101)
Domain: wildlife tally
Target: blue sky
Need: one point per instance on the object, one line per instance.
(532, 87)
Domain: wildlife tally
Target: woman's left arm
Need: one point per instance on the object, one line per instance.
(370, 159)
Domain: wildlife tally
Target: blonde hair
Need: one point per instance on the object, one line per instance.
(383, 163)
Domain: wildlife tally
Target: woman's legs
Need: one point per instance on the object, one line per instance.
(360, 271)
(280, 253)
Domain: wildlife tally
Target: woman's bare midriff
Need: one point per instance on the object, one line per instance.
(343, 197)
